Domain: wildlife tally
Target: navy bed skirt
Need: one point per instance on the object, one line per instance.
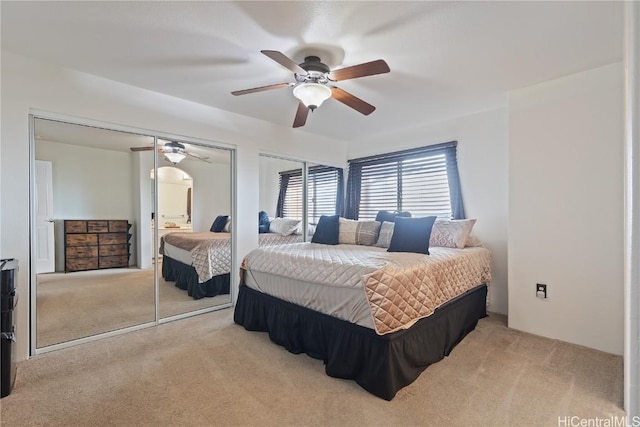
(381, 364)
(186, 278)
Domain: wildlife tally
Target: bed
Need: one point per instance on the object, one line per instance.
(376, 317)
(200, 263)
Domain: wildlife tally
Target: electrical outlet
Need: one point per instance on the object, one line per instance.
(541, 290)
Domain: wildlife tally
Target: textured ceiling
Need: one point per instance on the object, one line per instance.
(447, 58)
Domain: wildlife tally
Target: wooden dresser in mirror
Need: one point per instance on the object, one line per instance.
(96, 244)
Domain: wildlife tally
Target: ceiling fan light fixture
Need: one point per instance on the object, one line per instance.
(312, 95)
(174, 158)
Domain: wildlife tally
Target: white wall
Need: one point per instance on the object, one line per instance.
(211, 192)
(88, 183)
(270, 169)
(482, 164)
(566, 208)
(28, 84)
(141, 165)
(173, 192)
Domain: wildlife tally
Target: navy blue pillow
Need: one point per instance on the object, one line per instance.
(411, 235)
(219, 223)
(263, 222)
(391, 216)
(327, 230)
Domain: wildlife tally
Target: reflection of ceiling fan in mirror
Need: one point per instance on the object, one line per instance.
(314, 83)
(173, 152)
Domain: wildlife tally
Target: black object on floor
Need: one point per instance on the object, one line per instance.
(8, 301)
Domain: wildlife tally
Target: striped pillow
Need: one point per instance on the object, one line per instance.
(386, 232)
(354, 232)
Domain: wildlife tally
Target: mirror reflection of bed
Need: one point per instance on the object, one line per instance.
(191, 195)
(91, 174)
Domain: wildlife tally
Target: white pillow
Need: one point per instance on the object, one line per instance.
(284, 226)
(386, 232)
(227, 226)
(473, 242)
(311, 228)
(451, 233)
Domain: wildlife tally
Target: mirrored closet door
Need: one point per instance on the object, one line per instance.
(325, 191)
(194, 256)
(282, 197)
(90, 279)
(101, 214)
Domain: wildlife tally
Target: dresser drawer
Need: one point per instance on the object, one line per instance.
(81, 251)
(114, 261)
(81, 239)
(109, 250)
(118, 226)
(97, 226)
(112, 238)
(77, 264)
(71, 226)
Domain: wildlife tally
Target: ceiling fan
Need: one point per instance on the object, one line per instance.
(173, 151)
(314, 83)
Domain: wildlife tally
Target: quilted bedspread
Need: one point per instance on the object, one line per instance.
(269, 239)
(210, 252)
(400, 287)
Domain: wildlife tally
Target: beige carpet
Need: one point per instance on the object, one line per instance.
(85, 303)
(206, 371)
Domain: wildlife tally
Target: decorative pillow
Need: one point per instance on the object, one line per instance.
(284, 226)
(411, 235)
(354, 232)
(310, 229)
(473, 242)
(388, 216)
(219, 223)
(327, 230)
(451, 233)
(386, 231)
(263, 222)
(227, 226)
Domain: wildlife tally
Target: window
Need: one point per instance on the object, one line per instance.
(423, 181)
(290, 198)
(324, 193)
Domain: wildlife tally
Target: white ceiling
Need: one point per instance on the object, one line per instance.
(447, 58)
(105, 139)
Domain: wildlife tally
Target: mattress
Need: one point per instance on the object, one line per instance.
(348, 304)
(396, 288)
(176, 253)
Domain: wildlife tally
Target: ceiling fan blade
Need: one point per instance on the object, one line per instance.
(352, 101)
(361, 70)
(301, 115)
(204, 159)
(285, 61)
(261, 88)
(149, 148)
